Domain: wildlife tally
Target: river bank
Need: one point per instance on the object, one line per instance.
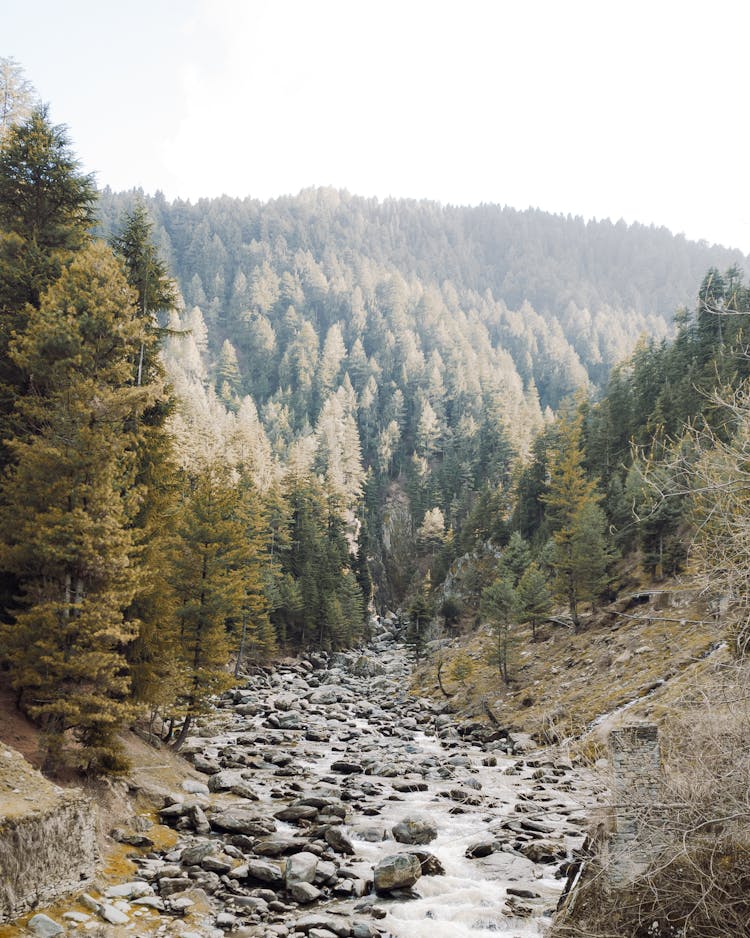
(330, 801)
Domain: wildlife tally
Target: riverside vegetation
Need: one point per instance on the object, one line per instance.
(231, 429)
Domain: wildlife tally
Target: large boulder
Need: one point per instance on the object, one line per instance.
(398, 871)
(300, 868)
(414, 829)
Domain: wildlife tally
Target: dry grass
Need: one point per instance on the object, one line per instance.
(699, 885)
(563, 682)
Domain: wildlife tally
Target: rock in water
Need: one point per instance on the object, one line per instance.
(398, 871)
(414, 829)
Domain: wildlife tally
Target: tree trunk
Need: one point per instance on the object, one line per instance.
(241, 651)
(184, 730)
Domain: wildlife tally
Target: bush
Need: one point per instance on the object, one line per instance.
(698, 886)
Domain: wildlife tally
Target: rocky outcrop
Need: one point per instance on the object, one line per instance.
(47, 838)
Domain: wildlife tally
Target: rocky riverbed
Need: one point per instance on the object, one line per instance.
(336, 804)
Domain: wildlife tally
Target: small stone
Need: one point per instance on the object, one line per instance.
(112, 914)
(134, 890)
(480, 848)
(181, 904)
(304, 893)
(300, 868)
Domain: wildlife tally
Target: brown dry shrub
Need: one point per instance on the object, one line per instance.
(699, 885)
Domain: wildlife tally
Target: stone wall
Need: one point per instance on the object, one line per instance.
(636, 793)
(48, 846)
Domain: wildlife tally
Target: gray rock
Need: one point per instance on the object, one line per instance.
(192, 856)
(362, 929)
(169, 885)
(543, 851)
(336, 838)
(343, 767)
(480, 848)
(44, 926)
(225, 780)
(198, 819)
(317, 734)
(304, 892)
(112, 914)
(429, 863)
(237, 821)
(275, 846)
(415, 829)
(264, 871)
(398, 871)
(297, 812)
(300, 868)
(134, 890)
(289, 721)
(325, 695)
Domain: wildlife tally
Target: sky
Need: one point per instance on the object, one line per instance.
(615, 108)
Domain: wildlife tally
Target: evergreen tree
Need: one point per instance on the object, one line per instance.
(64, 519)
(577, 522)
(420, 615)
(46, 209)
(498, 608)
(534, 600)
(516, 557)
(257, 639)
(152, 656)
(209, 581)
(147, 274)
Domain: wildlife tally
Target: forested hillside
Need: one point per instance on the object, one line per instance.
(230, 427)
(566, 298)
(446, 335)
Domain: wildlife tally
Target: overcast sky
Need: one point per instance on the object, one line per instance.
(614, 108)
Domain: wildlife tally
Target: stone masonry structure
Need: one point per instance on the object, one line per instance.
(48, 846)
(636, 793)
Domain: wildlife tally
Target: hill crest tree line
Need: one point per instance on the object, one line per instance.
(183, 482)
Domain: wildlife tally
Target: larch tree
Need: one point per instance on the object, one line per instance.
(17, 94)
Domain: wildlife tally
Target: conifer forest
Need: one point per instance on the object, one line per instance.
(237, 431)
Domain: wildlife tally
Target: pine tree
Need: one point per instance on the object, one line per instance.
(577, 522)
(420, 615)
(207, 577)
(534, 600)
(257, 639)
(148, 275)
(498, 607)
(64, 519)
(46, 210)
(152, 655)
